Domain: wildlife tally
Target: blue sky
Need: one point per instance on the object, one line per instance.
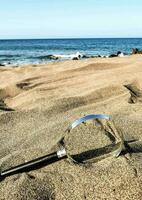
(70, 18)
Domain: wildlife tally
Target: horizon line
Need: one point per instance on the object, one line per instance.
(61, 38)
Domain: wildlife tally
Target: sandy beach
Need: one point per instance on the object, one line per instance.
(38, 102)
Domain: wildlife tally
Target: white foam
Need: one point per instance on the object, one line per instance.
(70, 56)
(121, 55)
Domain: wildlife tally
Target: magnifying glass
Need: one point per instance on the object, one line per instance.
(79, 144)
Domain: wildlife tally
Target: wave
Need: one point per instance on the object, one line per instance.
(46, 57)
(7, 59)
(60, 56)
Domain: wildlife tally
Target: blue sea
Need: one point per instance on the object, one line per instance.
(36, 51)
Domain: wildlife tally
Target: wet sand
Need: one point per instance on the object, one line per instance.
(38, 102)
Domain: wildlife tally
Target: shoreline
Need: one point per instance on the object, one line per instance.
(60, 58)
(63, 61)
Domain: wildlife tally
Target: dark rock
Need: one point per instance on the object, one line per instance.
(91, 56)
(97, 56)
(118, 53)
(79, 56)
(75, 58)
(85, 56)
(2, 64)
(113, 55)
(136, 51)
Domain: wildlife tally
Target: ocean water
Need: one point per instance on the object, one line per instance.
(36, 50)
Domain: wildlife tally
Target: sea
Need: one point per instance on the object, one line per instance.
(36, 51)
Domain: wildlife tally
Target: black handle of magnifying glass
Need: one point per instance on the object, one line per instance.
(31, 165)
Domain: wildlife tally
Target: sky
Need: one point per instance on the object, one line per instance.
(70, 18)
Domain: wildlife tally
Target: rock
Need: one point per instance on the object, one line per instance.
(119, 54)
(91, 56)
(112, 55)
(136, 51)
(75, 58)
(85, 56)
(2, 65)
(96, 56)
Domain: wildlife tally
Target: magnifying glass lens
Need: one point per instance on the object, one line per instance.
(88, 141)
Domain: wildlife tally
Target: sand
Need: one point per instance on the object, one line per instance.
(38, 102)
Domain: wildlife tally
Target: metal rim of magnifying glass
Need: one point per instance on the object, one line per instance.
(84, 119)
